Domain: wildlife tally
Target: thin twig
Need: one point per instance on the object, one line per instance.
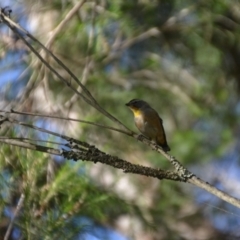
(18, 208)
(31, 140)
(63, 23)
(31, 146)
(69, 119)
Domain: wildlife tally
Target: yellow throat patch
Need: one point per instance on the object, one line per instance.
(136, 112)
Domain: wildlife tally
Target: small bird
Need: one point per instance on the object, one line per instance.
(148, 122)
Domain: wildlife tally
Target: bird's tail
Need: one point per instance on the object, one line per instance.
(163, 144)
(165, 147)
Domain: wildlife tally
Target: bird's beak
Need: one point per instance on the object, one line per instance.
(127, 104)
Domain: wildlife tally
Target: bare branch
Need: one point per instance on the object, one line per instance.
(206, 186)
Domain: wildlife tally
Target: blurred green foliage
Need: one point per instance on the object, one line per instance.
(180, 56)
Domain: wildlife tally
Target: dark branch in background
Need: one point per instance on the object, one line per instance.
(84, 151)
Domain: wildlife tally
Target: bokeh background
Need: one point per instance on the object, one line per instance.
(183, 57)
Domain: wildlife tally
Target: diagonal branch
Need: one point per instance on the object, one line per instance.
(88, 98)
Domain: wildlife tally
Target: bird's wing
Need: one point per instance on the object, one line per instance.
(155, 125)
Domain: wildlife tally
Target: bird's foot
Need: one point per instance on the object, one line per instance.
(141, 137)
